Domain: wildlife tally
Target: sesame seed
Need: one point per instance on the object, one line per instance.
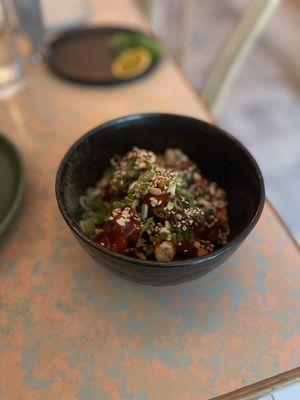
(154, 191)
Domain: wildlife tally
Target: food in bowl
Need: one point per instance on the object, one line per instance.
(156, 207)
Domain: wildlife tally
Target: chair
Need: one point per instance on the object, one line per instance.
(235, 50)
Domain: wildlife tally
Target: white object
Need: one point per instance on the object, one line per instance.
(290, 393)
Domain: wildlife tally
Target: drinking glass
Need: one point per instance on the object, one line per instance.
(30, 17)
(11, 66)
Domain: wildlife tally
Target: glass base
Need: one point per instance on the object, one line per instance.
(11, 78)
(11, 89)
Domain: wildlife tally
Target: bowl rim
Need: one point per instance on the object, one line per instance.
(74, 226)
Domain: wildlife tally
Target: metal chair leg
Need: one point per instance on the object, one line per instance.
(235, 51)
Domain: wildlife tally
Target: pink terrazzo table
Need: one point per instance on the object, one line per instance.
(71, 330)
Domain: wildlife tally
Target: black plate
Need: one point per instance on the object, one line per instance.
(83, 56)
(11, 182)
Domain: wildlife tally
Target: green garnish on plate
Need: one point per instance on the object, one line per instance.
(123, 41)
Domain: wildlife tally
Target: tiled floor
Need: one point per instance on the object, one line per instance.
(289, 393)
(262, 108)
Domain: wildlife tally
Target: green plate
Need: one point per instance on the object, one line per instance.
(11, 182)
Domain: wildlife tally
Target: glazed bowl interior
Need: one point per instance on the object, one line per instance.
(219, 156)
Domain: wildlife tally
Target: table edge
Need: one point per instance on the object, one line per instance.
(283, 224)
(264, 387)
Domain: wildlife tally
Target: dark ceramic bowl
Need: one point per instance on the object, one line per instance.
(219, 156)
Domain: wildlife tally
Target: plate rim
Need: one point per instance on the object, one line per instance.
(4, 224)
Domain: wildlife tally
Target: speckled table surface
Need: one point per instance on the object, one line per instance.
(71, 330)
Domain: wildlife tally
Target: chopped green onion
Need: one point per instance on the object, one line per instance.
(144, 211)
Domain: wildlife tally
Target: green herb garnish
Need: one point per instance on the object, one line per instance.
(122, 41)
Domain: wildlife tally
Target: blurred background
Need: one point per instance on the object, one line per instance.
(262, 105)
